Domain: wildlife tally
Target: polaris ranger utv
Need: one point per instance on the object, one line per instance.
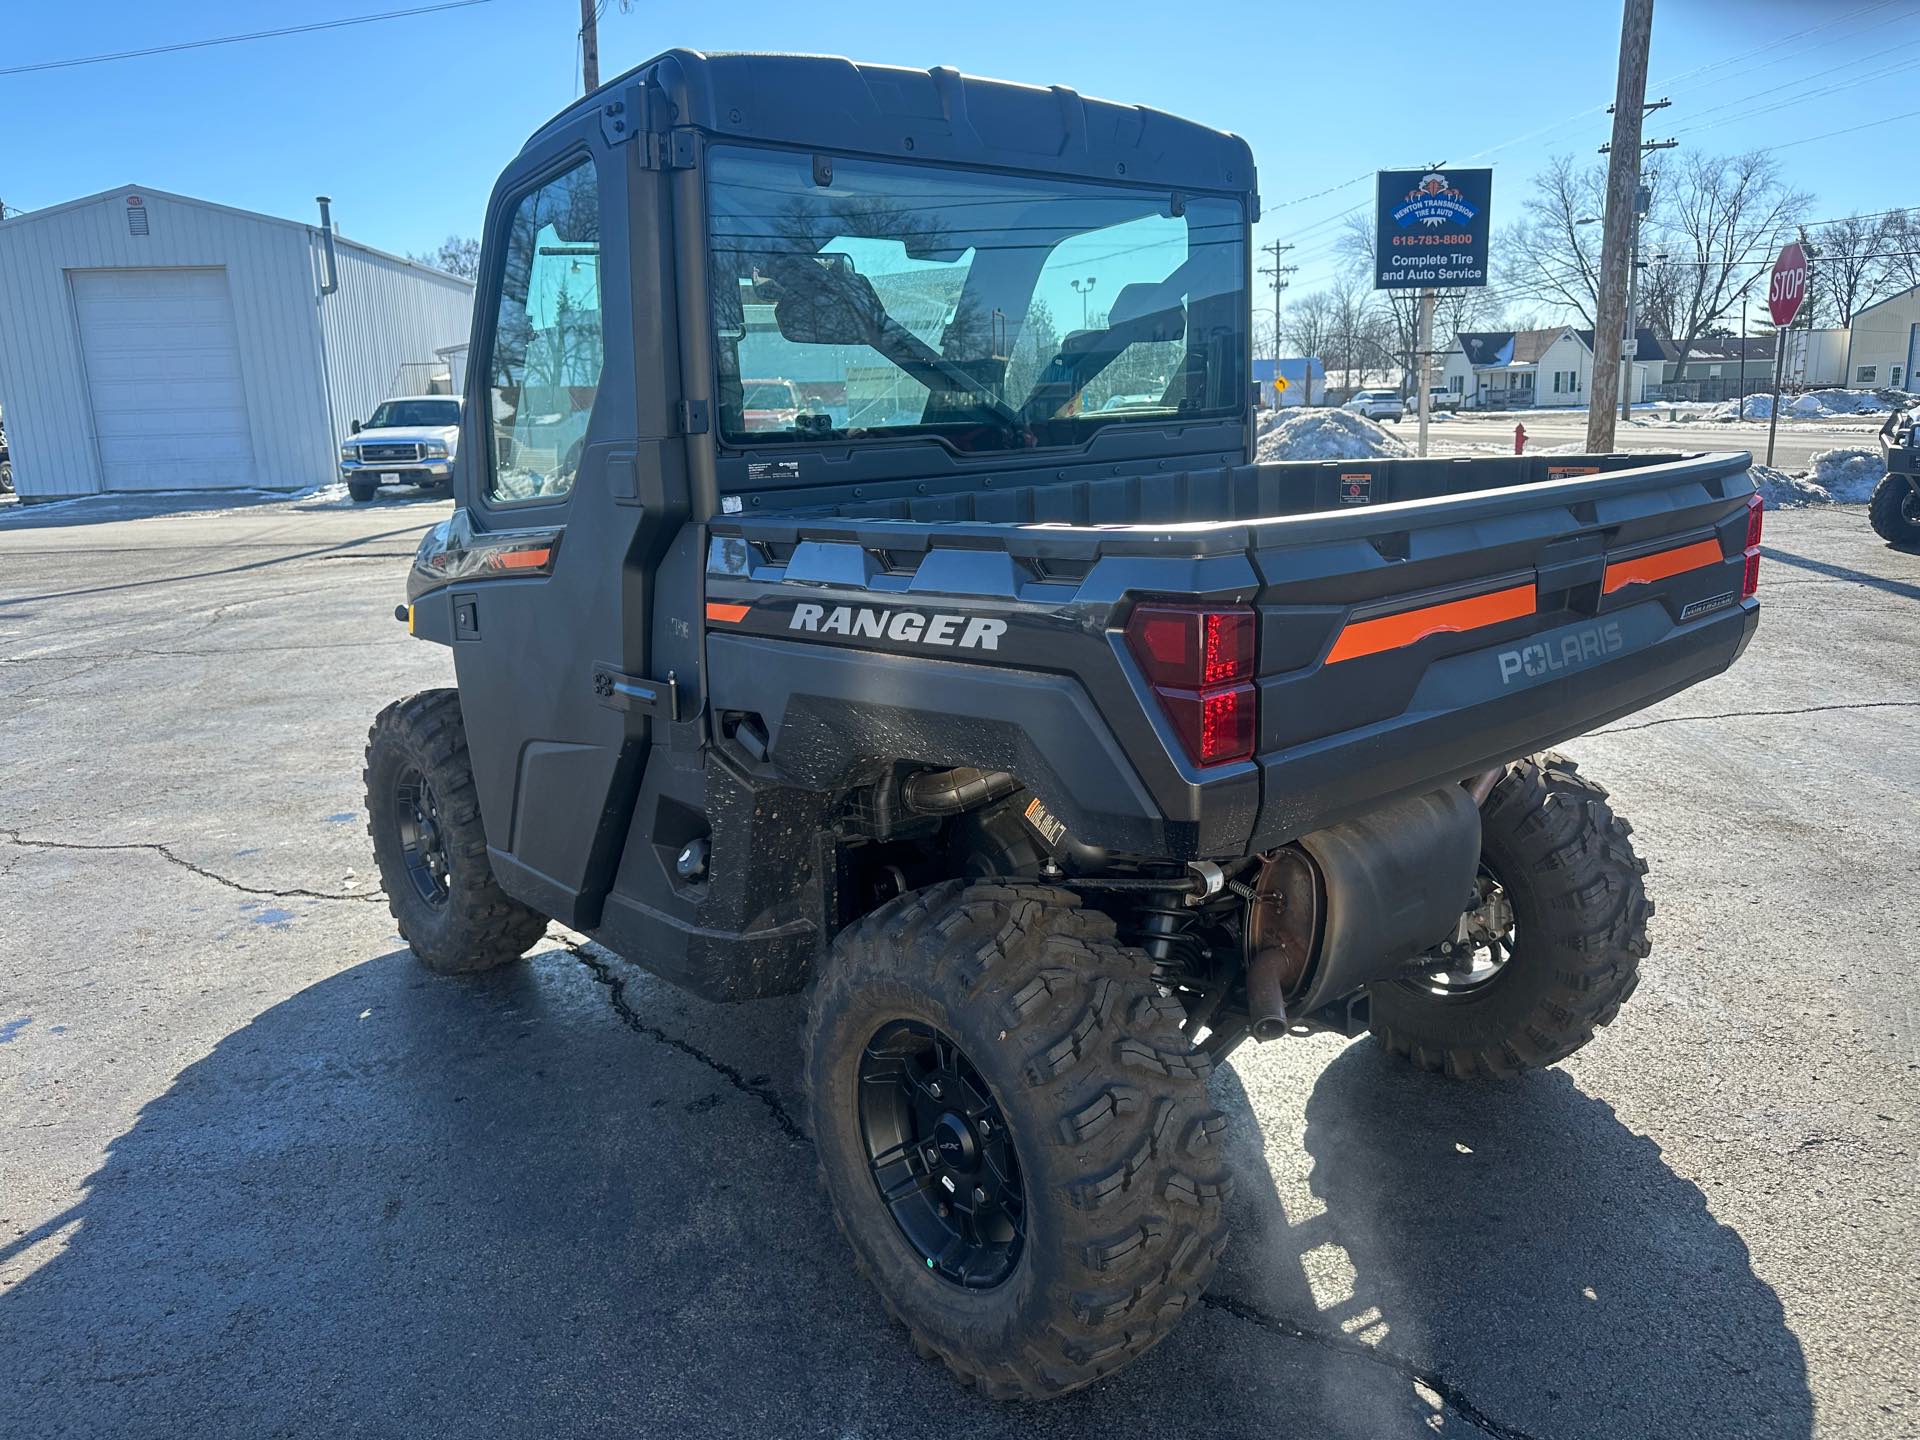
(1056, 744)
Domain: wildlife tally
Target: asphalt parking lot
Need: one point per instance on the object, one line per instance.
(262, 1175)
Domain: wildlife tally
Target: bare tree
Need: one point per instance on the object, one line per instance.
(1849, 268)
(1900, 263)
(1362, 336)
(1550, 257)
(1454, 309)
(457, 255)
(1306, 324)
(1721, 216)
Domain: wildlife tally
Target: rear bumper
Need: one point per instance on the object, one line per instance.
(1466, 716)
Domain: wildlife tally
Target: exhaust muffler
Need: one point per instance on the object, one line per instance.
(1348, 905)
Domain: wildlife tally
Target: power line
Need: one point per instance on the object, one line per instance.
(1724, 62)
(236, 39)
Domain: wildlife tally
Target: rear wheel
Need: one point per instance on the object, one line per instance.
(1552, 948)
(428, 843)
(1894, 510)
(1015, 1133)
(362, 490)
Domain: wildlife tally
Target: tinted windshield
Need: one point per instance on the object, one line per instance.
(415, 412)
(994, 311)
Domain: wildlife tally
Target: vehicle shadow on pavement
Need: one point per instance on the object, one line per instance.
(396, 1203)
(1520, 1253)
(399, 1203)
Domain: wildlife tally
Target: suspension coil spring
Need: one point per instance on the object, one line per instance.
(1175, 953)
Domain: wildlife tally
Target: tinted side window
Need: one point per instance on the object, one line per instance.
(548, 345)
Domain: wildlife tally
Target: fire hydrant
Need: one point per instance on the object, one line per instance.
(1519, 439)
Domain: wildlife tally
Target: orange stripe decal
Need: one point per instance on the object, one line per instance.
(1661, 564)
(727, 614)
(1392, 632)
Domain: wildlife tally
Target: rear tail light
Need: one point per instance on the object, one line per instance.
(1190, 648)
(1199, 661)
(1750, 579)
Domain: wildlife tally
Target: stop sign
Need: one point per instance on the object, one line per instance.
(1789, 285)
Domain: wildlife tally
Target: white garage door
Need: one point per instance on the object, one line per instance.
(163, 369)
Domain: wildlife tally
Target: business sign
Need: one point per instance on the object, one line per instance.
(1430, 228)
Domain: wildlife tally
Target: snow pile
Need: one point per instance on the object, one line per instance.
(1754, 407)
(1326, 435)
(1848, 475)
(1819, 404)
(1781, 491)
(1814, 405)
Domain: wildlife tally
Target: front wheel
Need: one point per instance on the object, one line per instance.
(1894, 510)
(1552, 948)
(1015, 1133)
(429, 845)
(362, 490)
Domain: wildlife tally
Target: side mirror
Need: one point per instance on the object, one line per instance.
(356, 427)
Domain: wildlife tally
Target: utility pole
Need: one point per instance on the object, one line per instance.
(1279, 273)
(1616, 246)
(590, 44)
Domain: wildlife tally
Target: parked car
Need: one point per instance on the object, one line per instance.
(770, 711)
(1438, 400)
(409, 440)
(1378, 405)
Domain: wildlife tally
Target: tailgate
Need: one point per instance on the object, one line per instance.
(1392, 660)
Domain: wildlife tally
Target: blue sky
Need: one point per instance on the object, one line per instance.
(406, 122)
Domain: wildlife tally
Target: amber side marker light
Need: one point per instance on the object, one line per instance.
(1199, 662)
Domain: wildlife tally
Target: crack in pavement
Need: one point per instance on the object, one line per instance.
(1762, 714)
(1448, 1392)
(14, 837)
(617, 997)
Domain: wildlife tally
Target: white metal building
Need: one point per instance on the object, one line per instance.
(1883, 346)
(150, 341)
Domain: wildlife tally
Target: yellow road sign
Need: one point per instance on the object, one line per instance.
(1279, 385)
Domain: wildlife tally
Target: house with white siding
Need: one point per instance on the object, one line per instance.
(152, 341)
(1551, 368)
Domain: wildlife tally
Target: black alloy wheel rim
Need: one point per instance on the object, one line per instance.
(940, 1155)
(423, 836)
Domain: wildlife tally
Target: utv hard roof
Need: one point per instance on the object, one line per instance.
(829, 103)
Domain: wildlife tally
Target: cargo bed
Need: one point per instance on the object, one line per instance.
(1461, 614)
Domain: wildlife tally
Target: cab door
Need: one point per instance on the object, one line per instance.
(564, 436)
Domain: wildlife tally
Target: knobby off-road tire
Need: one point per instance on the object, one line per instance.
(1580, 932)
(1894, 510)
(472, 924)
(1101, 1094)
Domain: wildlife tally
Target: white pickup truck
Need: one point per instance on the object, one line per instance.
(409, 440)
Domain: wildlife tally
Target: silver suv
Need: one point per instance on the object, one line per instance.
(1378, 405)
